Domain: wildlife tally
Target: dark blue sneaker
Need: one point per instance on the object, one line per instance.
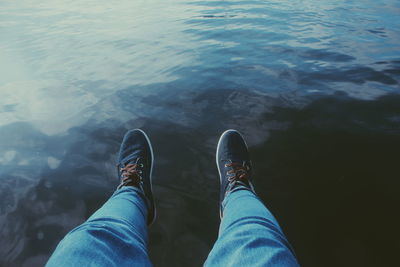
(135, 164)
(234, 165)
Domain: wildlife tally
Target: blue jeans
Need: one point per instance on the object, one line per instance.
(116, 235)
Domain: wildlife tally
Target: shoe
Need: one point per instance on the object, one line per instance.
(233, 163)
(135, 164)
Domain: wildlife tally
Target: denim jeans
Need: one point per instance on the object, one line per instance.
(116, 235)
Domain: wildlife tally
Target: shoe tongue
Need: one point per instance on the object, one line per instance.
(237, 185)
(240, 183)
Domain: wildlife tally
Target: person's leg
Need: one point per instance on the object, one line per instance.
(249, 235)
(116, 235)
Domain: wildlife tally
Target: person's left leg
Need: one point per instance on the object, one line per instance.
(116, 234)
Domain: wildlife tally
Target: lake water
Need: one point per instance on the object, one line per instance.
(312, 85)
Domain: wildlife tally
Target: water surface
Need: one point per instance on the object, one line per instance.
(313, 86)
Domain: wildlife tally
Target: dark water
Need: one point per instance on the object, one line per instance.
(313, 86)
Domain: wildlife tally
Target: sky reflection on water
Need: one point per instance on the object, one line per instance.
(312, 85)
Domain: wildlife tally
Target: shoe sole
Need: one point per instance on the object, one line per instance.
(216, 157)
(151, 173)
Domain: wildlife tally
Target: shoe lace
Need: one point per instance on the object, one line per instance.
(131, 174)
(239, 172)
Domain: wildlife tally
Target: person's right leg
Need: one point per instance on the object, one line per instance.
(249, 234)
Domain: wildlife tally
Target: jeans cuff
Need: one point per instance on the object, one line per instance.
(226, 198)
(138, 191)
